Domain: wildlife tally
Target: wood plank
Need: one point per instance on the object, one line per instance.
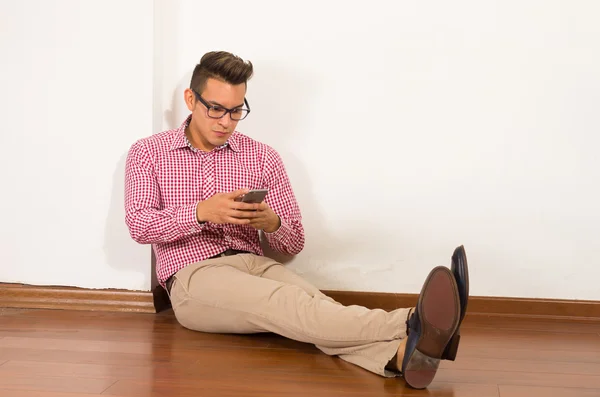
(67, 319)
(110, 336)
(161, 335)
(533, 365)
(221, 382)
(467, 352)
(519, 378)
(106, 358)
(146, 347)
(98, 371)
(76, 345)
(31, 393)
(280, 370)
(528, 391)
(255, 362)
(57, 384)
(189, 340)
(291, 386)
(442, 389)
(85, 334)
(72, 315)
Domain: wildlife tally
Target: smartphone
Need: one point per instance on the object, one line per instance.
(254, 196)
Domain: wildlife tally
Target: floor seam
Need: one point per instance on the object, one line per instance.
(111, 385)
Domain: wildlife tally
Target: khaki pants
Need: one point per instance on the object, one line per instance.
(246, 293)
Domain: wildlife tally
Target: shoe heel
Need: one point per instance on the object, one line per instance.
(452, 348)
(421, 370)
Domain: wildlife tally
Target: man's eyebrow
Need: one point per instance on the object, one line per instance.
(218, 104)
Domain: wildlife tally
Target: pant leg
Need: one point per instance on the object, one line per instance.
(269, 268)
(220, 295)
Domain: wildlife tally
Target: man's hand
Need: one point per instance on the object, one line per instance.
(222, 208)
(265, 219)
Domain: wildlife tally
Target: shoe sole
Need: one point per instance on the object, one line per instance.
(439, 309)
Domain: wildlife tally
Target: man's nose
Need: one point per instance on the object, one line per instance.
(226, 121)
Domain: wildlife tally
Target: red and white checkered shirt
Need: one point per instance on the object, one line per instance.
(165, 178)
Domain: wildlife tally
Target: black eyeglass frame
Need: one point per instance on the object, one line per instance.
(209, 106)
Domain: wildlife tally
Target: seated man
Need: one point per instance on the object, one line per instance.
(182, 190)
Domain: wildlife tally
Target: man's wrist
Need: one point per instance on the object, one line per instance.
(276, 224)
(199, 215)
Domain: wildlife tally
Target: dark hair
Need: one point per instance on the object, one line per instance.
(220, 65)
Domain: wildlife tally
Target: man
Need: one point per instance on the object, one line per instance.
(182, 188)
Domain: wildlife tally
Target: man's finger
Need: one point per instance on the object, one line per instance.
(239, 192)
(244, 206)
(240, 214)
(238, 221)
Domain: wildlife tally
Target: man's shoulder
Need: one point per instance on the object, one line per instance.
(158, 142)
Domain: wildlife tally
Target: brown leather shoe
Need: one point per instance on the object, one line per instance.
(431, 327)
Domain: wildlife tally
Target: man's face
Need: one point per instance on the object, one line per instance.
(207, 132)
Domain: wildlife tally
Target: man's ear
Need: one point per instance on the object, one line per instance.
(190, 99)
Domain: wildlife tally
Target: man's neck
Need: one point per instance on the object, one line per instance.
(196, 141)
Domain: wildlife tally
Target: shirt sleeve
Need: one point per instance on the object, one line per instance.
(289, 238)
(146, 222)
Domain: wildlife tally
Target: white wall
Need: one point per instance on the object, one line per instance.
(409, 128)
(440, 123)
(76, 82)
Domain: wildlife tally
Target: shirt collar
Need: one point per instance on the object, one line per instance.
(181, 141)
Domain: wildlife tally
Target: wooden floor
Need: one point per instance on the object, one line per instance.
(45, 353)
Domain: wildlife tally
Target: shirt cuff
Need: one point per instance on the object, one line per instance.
(186, 219)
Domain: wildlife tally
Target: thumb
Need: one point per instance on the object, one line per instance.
(238, 193)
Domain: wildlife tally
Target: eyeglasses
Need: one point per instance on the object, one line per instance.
(218, 111)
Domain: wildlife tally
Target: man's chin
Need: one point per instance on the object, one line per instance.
(221, 137)
(219, 141)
